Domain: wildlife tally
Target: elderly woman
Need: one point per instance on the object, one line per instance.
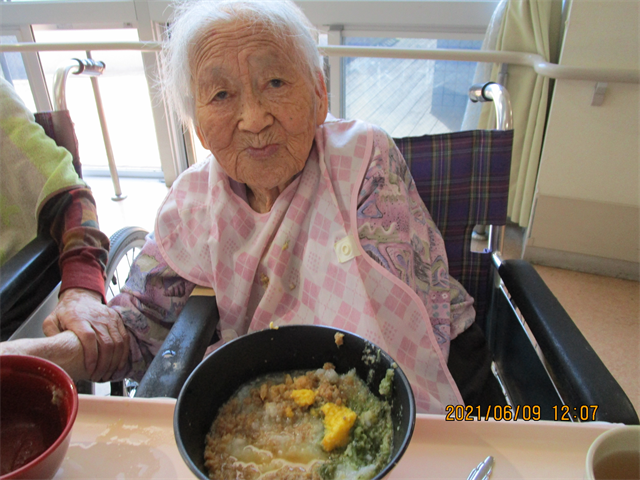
(295, 217)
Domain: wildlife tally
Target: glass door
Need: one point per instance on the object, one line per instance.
(125, 97)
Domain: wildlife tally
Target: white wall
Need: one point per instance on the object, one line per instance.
(587, 214)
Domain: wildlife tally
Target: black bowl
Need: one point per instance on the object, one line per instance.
(288, 348)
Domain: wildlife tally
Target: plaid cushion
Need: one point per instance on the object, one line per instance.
(463, 179)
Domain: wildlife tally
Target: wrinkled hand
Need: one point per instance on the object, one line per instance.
(63, 349)
(104, 338)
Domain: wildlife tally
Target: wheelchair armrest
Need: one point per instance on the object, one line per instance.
(182, 350)
(24, 268)
(580, 376)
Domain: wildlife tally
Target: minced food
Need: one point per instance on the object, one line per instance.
(306, 425)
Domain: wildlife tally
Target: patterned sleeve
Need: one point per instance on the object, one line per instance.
(72, 220)
(462, 312)
(397, 231)
(149, 305)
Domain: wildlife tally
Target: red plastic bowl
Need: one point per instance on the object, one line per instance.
(39, 404)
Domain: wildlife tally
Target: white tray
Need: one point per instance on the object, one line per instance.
(121, 438)
(527, 450)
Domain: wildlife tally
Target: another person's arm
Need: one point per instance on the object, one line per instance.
(72, 220)
(149, 304)
(42, 191)
(63, 349)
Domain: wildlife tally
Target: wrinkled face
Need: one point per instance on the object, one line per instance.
(256, 109)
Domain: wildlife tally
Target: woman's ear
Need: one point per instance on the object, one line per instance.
(201, 137)
(322, 100)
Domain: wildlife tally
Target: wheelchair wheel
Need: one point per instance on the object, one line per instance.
(126, 244)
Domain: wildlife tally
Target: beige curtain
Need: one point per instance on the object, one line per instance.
(525, 26)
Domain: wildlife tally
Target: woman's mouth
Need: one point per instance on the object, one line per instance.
(263, 152)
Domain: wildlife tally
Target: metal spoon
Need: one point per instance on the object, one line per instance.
(483, 470)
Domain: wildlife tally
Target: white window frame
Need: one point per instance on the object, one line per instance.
(33, 68)
(441, 19)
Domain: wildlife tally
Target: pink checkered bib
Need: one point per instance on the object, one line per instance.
(302, 263)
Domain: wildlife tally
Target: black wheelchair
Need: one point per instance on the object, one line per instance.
(539, 356)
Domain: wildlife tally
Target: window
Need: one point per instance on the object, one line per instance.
(14, 72)
(125, 98)
(133, 114)
(408, 97)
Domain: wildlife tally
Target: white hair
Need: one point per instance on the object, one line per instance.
(193, 19)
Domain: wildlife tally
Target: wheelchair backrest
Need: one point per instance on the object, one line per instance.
(463, 179)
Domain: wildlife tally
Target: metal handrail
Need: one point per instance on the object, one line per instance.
(537, 62)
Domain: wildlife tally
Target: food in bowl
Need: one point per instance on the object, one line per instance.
(311, 425)
(39, 404)
(289, 348)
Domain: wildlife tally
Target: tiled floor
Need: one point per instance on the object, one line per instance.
(607, 310)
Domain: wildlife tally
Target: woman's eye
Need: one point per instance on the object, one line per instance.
(221, 95)
(276, 83)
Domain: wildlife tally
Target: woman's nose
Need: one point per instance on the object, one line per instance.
(254, 115)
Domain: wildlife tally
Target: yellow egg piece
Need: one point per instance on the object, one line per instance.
(338, 421)
(303, 397)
